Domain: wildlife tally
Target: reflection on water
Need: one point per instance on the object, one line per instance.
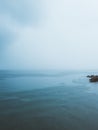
(48, 101)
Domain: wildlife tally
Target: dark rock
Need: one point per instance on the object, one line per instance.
(90, 76)
(93, 78)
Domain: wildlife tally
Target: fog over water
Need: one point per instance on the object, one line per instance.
(48, 34)
(47, 48)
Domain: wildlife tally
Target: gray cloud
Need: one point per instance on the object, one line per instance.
(66, 38)
(6, 37)
(23, 11)
(15, 15)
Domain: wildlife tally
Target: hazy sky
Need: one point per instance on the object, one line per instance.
(49, 34)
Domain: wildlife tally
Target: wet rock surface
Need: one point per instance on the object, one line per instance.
(93, 78)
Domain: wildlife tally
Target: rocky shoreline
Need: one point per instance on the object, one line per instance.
(93, 78)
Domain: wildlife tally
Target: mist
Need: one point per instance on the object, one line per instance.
(49, 34)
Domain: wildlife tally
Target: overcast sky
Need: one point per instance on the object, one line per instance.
(49, 34)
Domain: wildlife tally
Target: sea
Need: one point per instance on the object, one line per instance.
(48, 100)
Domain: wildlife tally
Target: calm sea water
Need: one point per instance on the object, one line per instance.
(48, 100)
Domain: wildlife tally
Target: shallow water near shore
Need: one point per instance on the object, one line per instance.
(48, 100)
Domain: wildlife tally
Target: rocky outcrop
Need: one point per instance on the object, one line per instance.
(93, 78)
